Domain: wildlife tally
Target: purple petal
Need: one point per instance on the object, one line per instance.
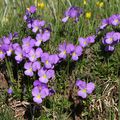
(81, 84)
(82, 93)
(37, 100)
(90, 87)
(29, 72)
(50, 74)
(36, 66)
(44, 92)
(43, 79)
(65, 19)
(70, 48)
(35, 91)
(27, 65)
(36, 83)
(74, 56)
(46, 35)
(39, 52)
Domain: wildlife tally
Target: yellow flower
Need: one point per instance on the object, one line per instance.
(88, 15)
(85, 2)
(41, 5)
(100, 4)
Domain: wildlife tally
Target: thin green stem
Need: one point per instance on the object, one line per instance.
(9, 70)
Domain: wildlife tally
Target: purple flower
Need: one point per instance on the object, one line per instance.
(19, 54)
(2, 54)
(76, 53)
(109, 48)
(10, 91)
(45, 75)
(39, 39)
(114, 20)
(28, 43)
(62, 49)
(29, 70)
(105, 22)
(36, 66)
(33, 55)
(54, 59)
(15, 46)
(6, 40)
(42, 37)
(116, 36)
(46, 35)
(84, 88)
(108, 39)
(91, 39)
(45, 58)
(39, 95)
(36, 25)
(51, 92)
(9, 51)
(83, 42)
(72, 12)
(32, 9)
(38, 83)
(70, 48)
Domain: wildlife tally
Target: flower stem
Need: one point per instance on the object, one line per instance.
(9, 70)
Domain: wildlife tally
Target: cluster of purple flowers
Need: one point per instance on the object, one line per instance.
(6, 46)
(111, 38)
(113, 20)
(35, 59)
(75, 51)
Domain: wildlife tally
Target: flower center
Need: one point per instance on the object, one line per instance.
(28, 9)
(10, 50)
(47, 61)
(30, 70)
(1, 52)
(64, 52)
(33, 56)
(20, 55)
(110, 39)
(38, 96)
(36, 28)
(27, 44)
(84, 90)
(85, 42)
(74, 54)
(40, 40)
(44, 76)
(116, 20)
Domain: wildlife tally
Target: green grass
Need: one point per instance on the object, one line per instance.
(95, 65)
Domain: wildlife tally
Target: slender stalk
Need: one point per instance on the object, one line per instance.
(14, 7)
(5, 11)
(69, 2)
(9, 70)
